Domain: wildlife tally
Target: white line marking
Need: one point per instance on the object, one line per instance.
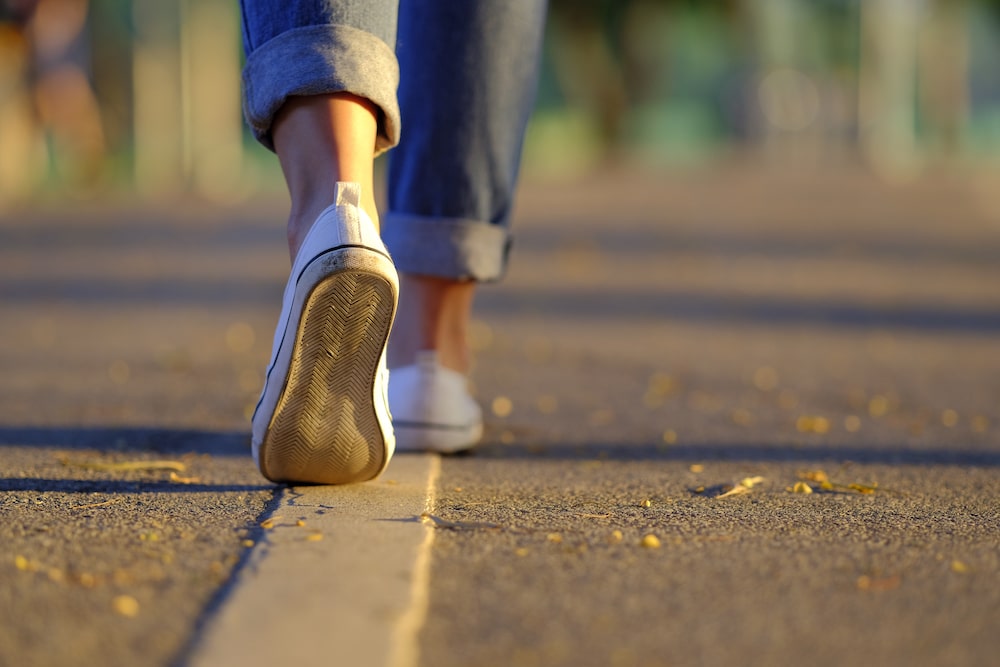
(405, 644)
(349, 587)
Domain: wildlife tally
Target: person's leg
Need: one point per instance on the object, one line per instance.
(468, 79)
(319, 89)
(320, 140)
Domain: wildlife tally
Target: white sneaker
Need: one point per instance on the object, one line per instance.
(432, 409)
(323, 415)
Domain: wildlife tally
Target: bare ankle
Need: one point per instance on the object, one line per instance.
(433, 314)
(304, 214)
(321, 140)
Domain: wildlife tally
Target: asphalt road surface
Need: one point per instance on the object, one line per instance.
(736, 416)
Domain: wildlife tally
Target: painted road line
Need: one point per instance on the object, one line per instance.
(341, 578)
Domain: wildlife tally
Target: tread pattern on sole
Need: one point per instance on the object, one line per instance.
(324, 429)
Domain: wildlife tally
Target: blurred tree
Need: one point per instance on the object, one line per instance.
(147, 90)
(110, 37)
(588, 70)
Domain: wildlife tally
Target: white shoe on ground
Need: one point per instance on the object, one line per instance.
(323, 415)
(432, 409)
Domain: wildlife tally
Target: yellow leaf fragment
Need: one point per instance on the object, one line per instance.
(878, 406)
(696, 468)
(959, 567)
(750, 482)
(502, 406)
(247, 543)
(949, 418)
(554, 537)
(21, 563)
(866, 583)
(268, 524)
(650, 541)
(818, 476)
(863, 488)
(670, 437)
(801, 487)
(300, 522)
(737, 490)
(616, 536)
(314, 537)
(812, 424)
(125, 605)
(520, 552)
(177, 479)
(645, 503)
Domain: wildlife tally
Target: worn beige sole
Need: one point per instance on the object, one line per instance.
(325, 427)
(436, 438)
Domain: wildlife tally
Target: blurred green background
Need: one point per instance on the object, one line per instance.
(142, 96)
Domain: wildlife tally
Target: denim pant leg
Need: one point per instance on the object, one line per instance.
(469, 74)
(303, 47)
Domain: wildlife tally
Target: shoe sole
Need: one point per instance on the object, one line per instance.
(325, 428)
(436, 438)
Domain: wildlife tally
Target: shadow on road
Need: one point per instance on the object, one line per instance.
(236, 443)
(125, 439)
(749, 452)
(113, 486)
(112, 440)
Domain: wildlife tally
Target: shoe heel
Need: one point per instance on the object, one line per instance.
(326, 428)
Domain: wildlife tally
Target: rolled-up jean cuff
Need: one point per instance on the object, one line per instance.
(317, 60)
(454, 248)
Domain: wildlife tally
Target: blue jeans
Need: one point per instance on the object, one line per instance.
(466, 72)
